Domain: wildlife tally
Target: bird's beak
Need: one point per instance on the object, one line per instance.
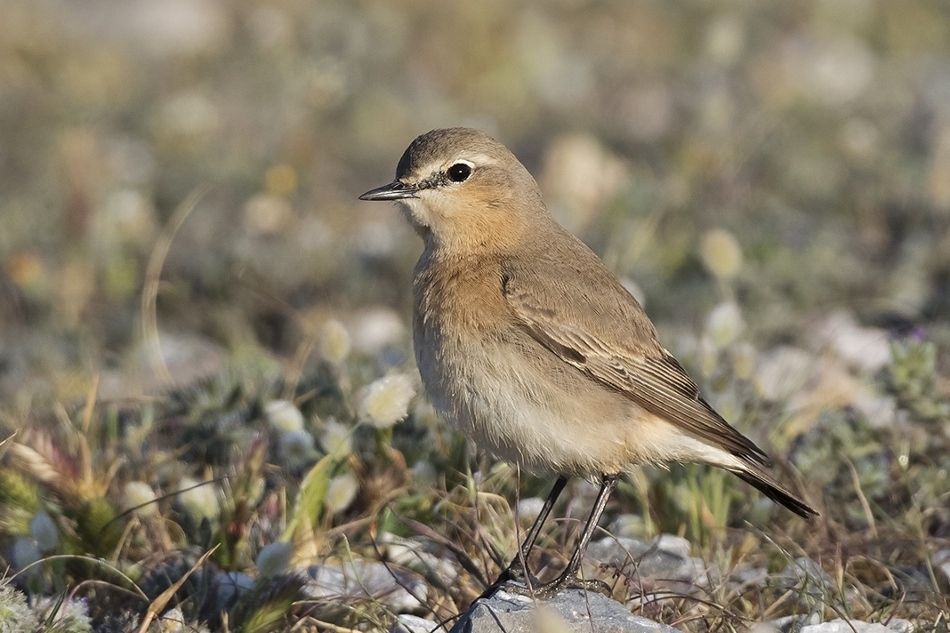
(393, 191)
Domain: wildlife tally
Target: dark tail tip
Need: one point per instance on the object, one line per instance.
(777, 494)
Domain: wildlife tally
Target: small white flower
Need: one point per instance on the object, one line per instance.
(283, 415)
(334, 342)
(200, 501)
(721, 254)
(15, 611)
(172, 621)
(274, 558)
(724, 324)
(336, 438)
(140, 496)
(44, 531)
(341, 491)
(296, 448)
(386, 401)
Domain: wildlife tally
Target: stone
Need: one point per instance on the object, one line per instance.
(811, 624)
(857, 626)
(806, 575)
(406, 623)
(941, 562)
(664, 558)
(400, 590)
(570, 611)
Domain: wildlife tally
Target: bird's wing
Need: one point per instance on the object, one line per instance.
(592, 323)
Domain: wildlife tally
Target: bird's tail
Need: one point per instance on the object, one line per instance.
(772, 489)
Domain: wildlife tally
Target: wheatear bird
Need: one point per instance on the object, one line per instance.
(529, 345)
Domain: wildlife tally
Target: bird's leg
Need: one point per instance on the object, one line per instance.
(568, 577)
(521, 558)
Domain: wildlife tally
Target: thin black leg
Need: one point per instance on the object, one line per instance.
(535, 530)
(521, 558)
(569, 575)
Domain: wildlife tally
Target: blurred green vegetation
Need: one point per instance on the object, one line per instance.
(180, 243)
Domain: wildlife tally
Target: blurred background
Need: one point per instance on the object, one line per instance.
(809, 142)
(204, 334)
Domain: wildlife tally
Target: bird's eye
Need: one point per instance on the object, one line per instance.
(459, 172)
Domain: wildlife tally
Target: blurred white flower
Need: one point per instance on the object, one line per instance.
(15, 611)
(866, 348)
(296, 448)
(341, 491)
(140, 496)
(721, 254)
(725, 38)
(200, 501)
(375, 239)
(335, 438)
(334, 342)
(744, 358)
(785, 370)
(267, 214)
(582, 175)
(274, 558)
(283, 416)
(69, 615)
(838, 71)
(188, 115)
(724, 324)
(529, 509)
(44, 531)
(386, 401)
(127, 216)
(376, 328)
(172, 621)
(708, 355)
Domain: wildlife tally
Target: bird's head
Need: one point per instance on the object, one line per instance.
(463, 190)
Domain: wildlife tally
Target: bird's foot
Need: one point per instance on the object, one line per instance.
(513, 580)
(571, 581)
(549, 590)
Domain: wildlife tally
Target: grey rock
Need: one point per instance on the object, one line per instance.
(402, 591)
(787, 624)
(570, 611)
(812, 624)
(411, 554)
(666, 557)
(806, 574)
(414, 624)
(857, 626)
(941, 562)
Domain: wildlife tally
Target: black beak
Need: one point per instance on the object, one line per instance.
(393, 191)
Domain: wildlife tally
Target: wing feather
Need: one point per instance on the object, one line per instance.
(639, 369)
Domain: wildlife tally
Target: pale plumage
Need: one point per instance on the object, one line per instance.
(527, 342)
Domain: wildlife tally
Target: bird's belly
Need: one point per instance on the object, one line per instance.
(541, 418)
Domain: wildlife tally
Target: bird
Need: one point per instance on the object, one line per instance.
(528, 343)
